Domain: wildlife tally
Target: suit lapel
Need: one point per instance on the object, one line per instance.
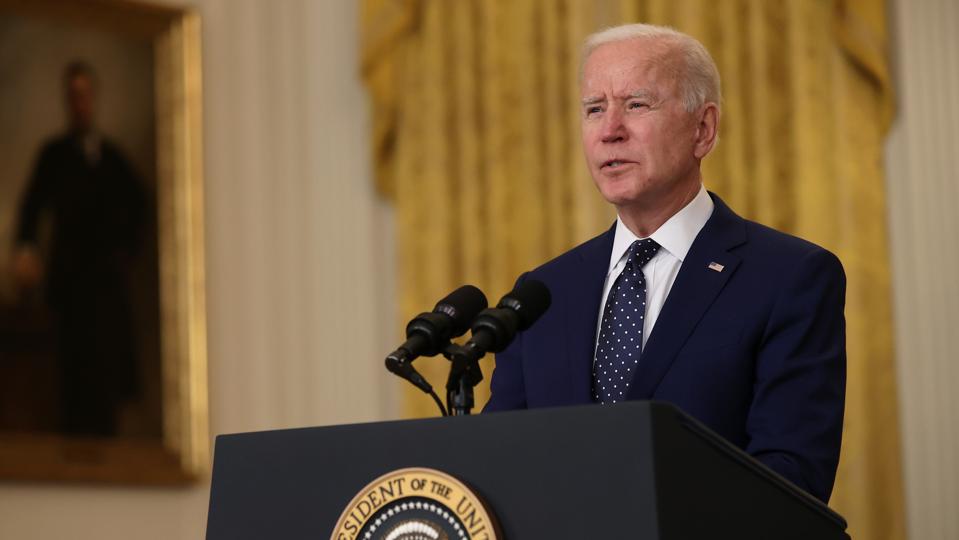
(694, 290)
(586, 291)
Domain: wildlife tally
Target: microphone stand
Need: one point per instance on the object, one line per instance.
(465, 374)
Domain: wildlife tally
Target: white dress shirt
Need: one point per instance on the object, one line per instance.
(674, 238)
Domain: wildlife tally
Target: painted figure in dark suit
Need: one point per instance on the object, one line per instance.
(95, 206)
(681, 300)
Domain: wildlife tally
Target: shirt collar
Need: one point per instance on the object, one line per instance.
(675, 236)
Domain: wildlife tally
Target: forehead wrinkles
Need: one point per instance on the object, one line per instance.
(622, 65)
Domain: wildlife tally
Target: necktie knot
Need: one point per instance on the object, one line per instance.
(642, 251)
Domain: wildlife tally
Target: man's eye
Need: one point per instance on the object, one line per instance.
(593, 110)
(637, 105)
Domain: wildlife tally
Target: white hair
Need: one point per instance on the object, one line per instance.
(698, 76)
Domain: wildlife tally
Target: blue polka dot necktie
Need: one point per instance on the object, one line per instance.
(620, 341)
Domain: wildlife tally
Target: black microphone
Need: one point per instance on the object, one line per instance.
(428, 334)
(495, 328)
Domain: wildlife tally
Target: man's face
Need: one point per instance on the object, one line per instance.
(81, 102)
(639, 141)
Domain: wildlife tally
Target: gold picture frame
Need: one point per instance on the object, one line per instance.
(181, 453)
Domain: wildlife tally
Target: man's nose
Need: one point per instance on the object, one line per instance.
(613, 129)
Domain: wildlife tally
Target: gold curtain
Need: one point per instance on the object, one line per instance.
(476, 142)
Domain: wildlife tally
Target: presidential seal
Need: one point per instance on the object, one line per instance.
(415, 504)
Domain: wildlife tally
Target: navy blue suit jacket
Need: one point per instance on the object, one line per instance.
(756, 352)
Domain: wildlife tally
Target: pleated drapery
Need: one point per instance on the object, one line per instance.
(476, 142)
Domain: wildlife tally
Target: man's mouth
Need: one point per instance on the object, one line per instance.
(614, 163)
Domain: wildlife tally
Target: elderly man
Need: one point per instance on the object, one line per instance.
(682, 300)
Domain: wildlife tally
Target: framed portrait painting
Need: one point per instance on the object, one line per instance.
(102, 316)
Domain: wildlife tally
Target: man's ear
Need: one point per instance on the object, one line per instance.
(707, 130)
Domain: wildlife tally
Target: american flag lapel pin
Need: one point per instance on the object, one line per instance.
(716, 267)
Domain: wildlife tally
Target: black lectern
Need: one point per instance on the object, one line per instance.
(632, 470)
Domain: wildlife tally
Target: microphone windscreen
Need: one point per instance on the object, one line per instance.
(530, 299)
(462, 305)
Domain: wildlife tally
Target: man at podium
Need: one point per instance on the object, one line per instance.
(682, 300)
